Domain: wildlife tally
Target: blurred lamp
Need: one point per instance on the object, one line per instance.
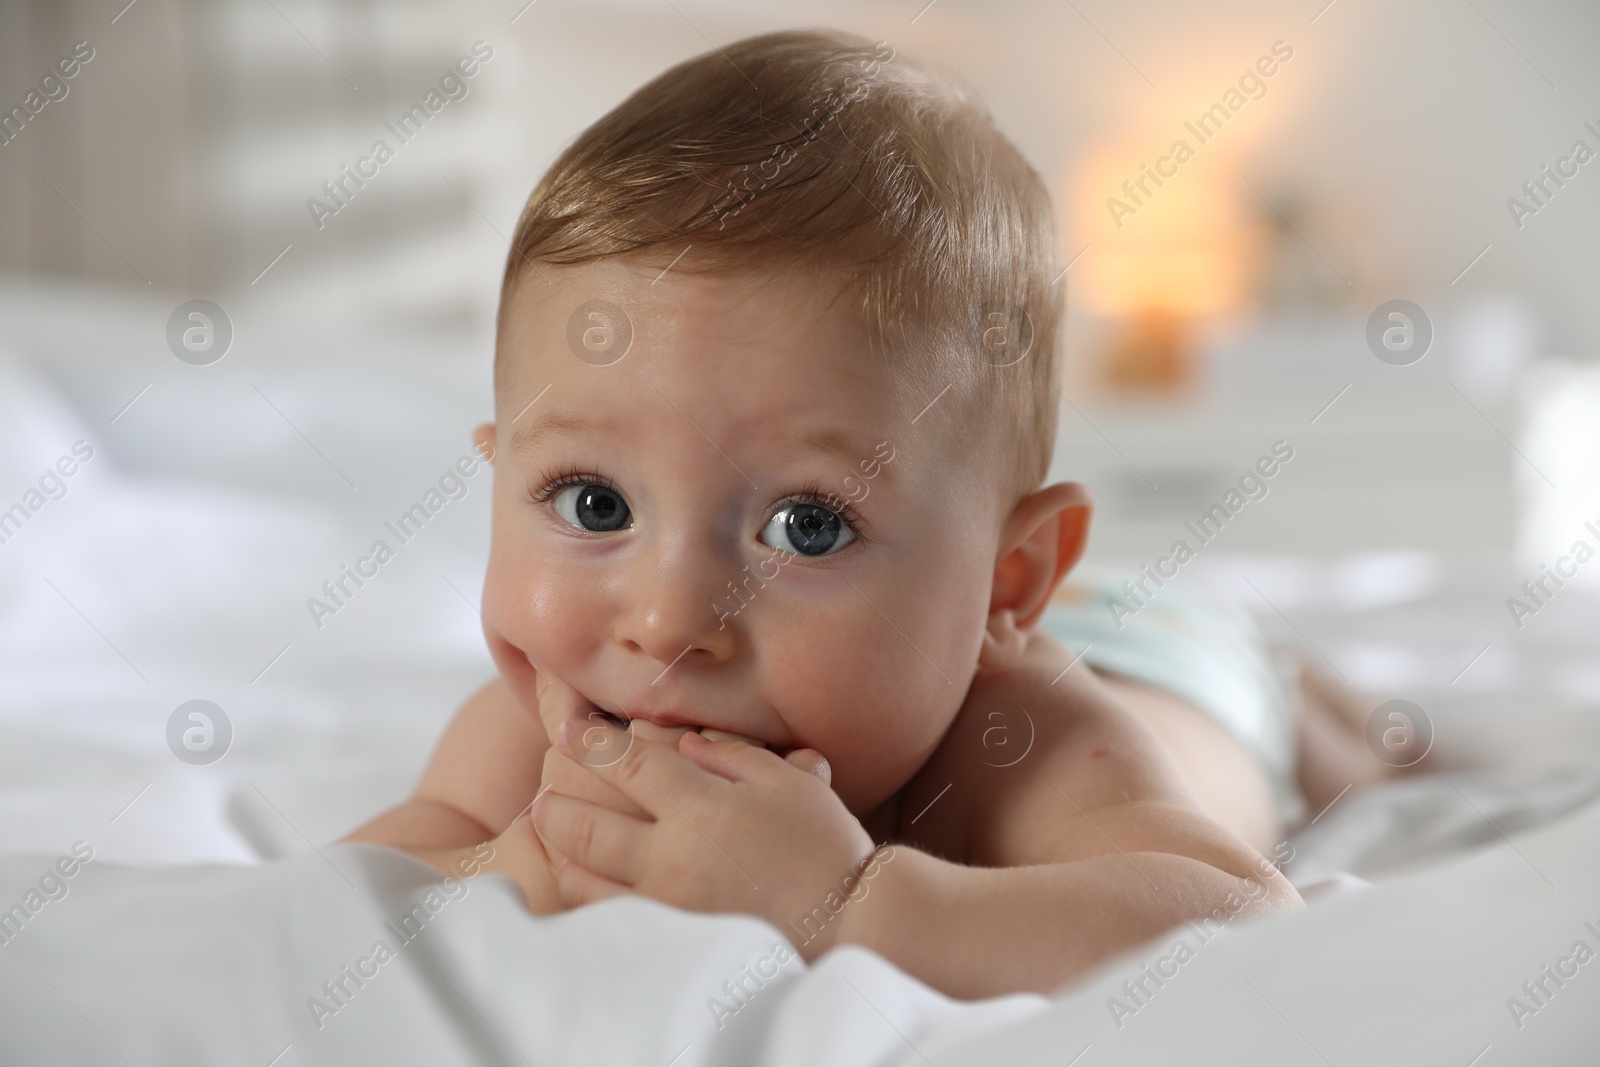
(1161, 259)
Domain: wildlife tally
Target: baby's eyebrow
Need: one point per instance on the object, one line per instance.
(831, 441)
(551, 424)
(857, 456)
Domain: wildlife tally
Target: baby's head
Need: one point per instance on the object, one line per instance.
(775, 397)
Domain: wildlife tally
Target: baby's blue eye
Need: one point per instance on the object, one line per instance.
(592, 507)
(806, 530)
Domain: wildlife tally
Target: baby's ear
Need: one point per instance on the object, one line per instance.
(1042, 540)
(483, 440)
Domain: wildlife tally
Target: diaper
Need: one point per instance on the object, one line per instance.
(1208, 654)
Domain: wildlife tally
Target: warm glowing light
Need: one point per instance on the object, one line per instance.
(1185, 246)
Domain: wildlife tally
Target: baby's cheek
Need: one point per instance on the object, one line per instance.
(874, 755)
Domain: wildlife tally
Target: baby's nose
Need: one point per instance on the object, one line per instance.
(671, 612)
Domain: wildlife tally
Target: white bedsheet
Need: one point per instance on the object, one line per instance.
(222, 965)
(177, 565)
(227, 965)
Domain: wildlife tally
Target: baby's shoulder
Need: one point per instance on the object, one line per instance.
(489, 760)
(1032, 753)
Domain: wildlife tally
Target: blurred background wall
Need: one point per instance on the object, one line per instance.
(1221, 315)
(194, 136)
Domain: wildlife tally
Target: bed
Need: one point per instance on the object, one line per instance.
(175, 563)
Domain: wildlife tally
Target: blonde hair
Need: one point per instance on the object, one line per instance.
(821, 149)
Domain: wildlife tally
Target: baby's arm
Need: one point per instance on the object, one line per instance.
(1088, 845)
(483, 774)
(1010, 878)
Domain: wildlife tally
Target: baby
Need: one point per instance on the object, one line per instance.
(775, 396)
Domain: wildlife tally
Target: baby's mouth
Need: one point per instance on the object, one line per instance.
(615, 720)
(592, 714)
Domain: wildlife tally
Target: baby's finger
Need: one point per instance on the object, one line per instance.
(812, 762)
(732, 759)
(580, 886)
(558, 701)
(605, 841)
(646, 772)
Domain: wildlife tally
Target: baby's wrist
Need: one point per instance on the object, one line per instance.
(520, 854)
(871, 901)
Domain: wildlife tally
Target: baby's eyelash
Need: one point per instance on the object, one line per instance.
(811, 493)
(555, 481)
(552, 482)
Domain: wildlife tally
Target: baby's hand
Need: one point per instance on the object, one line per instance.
(566, 770)
(728, 828)
(520, 855)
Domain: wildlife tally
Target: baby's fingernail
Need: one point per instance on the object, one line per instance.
(562, 864)
(564, 734)
(823, 770)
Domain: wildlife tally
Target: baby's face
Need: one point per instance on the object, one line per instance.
(633, 501)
